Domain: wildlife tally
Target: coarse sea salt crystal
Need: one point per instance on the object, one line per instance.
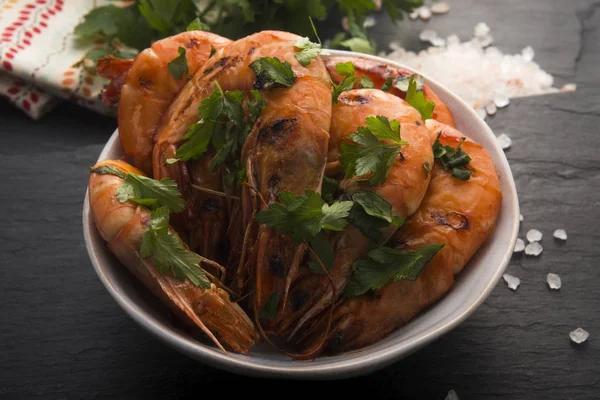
(481, 30)
(440, 8)
(504, 141)
(534, 249)
(452, 395)
(491, 109)
(519, 246)
(560, 234)
(528, 53)
(520, 217)
(569, 87)
(427, 35)
(424, 13)
(554, 281)
(579, 335)
(533, 235)
(438, 42)
(501, 101)
(512, 281)
(414, 15)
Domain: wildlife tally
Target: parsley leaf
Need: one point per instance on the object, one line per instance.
(322, 247)
(150, 192)
(403, 83)
(417, 100)
(347, 70)
(452, 159)
(387, 85)
(169, 252)
(304, 216)
(197, 25)
(272, 73)
(426, 168)
(329, 187)
(178, 67)
(368, 154)
(376, 206)
(256, 105)
(108, 170)
(385, 264)
(308, 51)
(366, 83)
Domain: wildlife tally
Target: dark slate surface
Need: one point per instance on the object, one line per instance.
(62, 336)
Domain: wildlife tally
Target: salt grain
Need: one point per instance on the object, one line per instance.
(414, 15)
(424, 13)
(560, 234)
(512, 281)
(534, 249)
(427, 35)
(528, 53)
(579, 335)
(501, 101)
(504, 141)
(452, 395)
(438, 42)
(554, 281)
(440, 8)
(569, 87)
(491, 109)
(533, 235)
(519, 246)
(481, 30)
(520, 217)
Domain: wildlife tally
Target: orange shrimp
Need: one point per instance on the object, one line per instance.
(460, 214)
(379, 72)
(286, 149)
(122, 226)
(404, 189)
(145, 88)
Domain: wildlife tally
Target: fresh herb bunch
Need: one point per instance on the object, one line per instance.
(141, 22)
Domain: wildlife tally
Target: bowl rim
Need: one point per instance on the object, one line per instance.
(369, 360)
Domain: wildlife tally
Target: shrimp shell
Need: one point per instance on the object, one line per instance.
(145, 88)
(122, 226)
(460, 214)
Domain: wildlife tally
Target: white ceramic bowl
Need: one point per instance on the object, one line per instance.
(473, 285)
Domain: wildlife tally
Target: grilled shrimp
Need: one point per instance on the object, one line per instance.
(378, 73)
(286, 149)
(122, 226)
(144, 88)
(404, 189)
(459, 214)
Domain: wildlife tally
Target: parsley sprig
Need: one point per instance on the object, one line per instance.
(178, 67)
(272, 73)
(150, 192)
(345, 69)
(454, 159)
(307, 51)
(385, 264)
(168, 251)
(304, 215)
(417, 99)
(372, 150)
(223, 125)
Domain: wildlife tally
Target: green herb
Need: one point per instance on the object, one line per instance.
(347, 70)
(108, 170)
(387, 85)
(269, 310)
(304, 216)
(368, 153)
(368, 225)
(169, 252)
(322, 247)
(308, 51)
(417, 100)
(221, 124)
(454, 159)
(212, 51)
(366, 83)
(385, 264)
(198, 25)
(178, 67)
(272, 73)
(426, 168)
(376, 206)
(150, 192)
